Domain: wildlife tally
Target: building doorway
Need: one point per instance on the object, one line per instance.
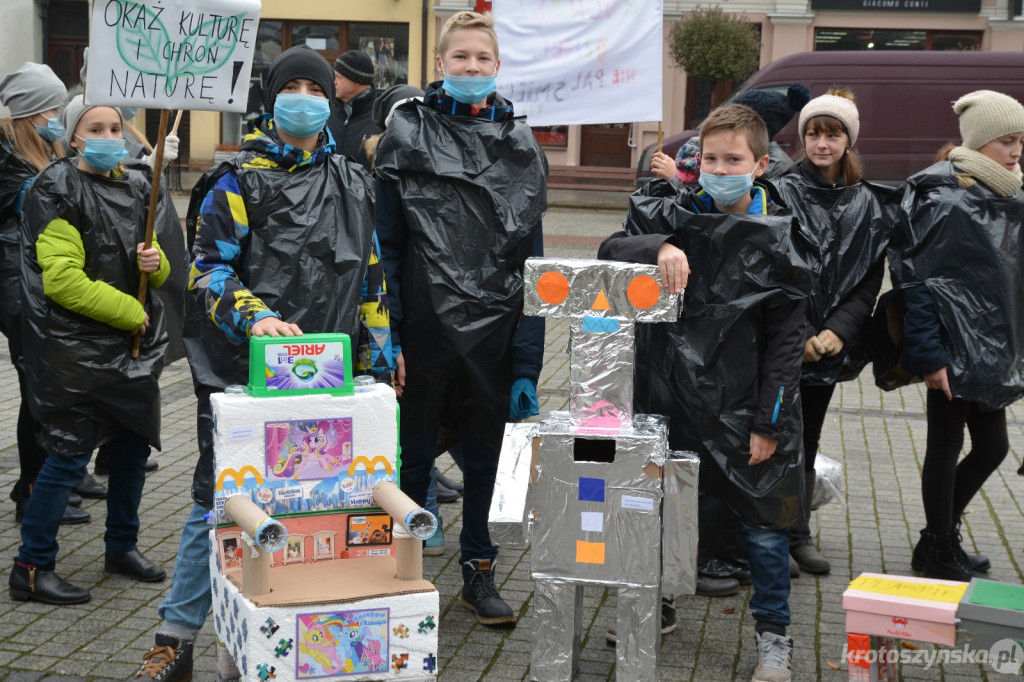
(605, 144)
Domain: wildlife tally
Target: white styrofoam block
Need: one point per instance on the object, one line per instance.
(371, 443)
(256, 636)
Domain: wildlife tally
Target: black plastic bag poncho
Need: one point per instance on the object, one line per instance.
(14, 174)
(704, 371)
(474, 193)
(311, 233)
(852, 225)
(84, 384)
(967, 246)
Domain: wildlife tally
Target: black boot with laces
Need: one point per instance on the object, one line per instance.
(480, 594)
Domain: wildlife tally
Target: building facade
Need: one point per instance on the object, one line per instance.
(400, 35)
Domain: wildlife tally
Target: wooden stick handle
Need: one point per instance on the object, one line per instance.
(154, 196)
(177, 120)
(660, 136)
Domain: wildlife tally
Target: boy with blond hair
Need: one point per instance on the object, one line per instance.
(727, 374)
(460, 196)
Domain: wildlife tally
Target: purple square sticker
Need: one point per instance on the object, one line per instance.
(591, 489)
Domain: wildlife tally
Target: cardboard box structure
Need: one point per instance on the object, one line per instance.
(312, 464)
(991, 611)
(595, 490)
(903, 607)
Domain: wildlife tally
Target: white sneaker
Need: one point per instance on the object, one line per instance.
(774, 658)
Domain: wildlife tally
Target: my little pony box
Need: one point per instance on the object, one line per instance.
(335, 608)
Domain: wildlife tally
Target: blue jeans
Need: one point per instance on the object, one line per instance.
(129, 452)
(184, 610)
(768, 554)
(419, 450)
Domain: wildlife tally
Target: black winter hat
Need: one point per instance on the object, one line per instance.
(387, 100)
(776, 108)
(300, 61)
(356, 66)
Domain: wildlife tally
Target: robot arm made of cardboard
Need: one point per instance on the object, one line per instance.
(510, 518)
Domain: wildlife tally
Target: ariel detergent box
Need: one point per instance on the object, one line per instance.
(300, 365)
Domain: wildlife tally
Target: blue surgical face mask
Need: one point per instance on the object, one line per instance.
(103, 153)
(52, 131)
(727, 189)
(301, 115)
(130, 112)
(468, 89)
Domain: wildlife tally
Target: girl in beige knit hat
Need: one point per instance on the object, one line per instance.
(956, 255)
(852, 219)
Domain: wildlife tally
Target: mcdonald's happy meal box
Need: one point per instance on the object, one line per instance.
(307, 445)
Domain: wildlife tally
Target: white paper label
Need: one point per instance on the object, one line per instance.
(241, 433)
(641, 503)
(289, 493)
(592, 521)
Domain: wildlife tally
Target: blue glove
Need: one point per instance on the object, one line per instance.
(524, 399)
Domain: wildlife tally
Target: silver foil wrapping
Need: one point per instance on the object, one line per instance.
(601, 377)
(679, 523)
(508, 520)
(597, 504)
(586, 280)
(558, 628)
(638, 631)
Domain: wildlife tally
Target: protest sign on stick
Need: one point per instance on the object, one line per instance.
(170, 54)
(581, 62)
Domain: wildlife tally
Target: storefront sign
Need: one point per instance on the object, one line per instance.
(568, 63)
(972, 6)
(172, 54)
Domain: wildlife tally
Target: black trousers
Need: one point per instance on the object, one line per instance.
(947, 487)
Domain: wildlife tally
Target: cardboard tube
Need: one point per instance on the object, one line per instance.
(416, 520)
(268, 534)
(408, 556)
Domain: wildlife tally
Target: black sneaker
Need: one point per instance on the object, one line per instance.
(668, 619)
(170, 660)
(480, 594)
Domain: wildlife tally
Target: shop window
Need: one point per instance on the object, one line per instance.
(552, 136)
(872, 39)
(388, 48)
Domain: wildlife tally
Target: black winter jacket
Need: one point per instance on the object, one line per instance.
(351, 130)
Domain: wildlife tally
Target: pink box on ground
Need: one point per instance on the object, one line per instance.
(903, 607)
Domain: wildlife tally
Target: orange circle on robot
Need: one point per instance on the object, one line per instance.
(552, 287)
(643, 292)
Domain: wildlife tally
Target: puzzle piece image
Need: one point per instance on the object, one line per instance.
(399, 662)
(266, 672)
(270, 628)
(283, 647)
(430, 663)
(401, 631)
(427, 625)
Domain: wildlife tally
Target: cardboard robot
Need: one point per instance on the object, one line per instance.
(316, 555)
(595, 491)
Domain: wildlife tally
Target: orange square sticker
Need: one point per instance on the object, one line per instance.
(589, 552)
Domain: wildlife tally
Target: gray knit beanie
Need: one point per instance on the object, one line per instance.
(32, 89)
(356, 66)
(986, 115)
(73, 114)
(841, 108)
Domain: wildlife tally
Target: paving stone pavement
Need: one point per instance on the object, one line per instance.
(879, 438)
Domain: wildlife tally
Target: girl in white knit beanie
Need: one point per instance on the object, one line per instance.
(956, 255)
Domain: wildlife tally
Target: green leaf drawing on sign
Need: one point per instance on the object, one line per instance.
(201, 54)
(142, 43)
